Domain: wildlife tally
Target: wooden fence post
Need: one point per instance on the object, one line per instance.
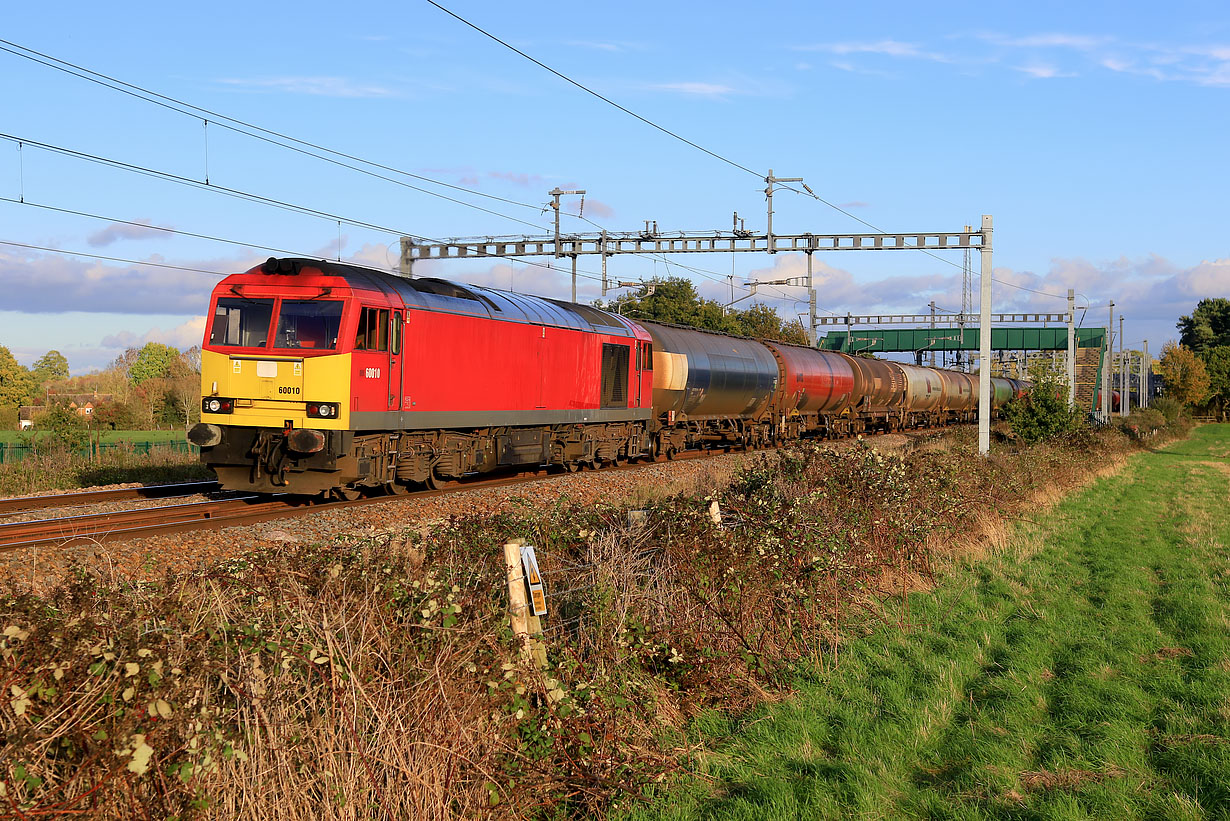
(525, 626)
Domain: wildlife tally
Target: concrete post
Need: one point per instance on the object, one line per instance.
(1144, 375)
(984, 343)
(1071, 348)
(1107, 364)
(811, 305)
(406, 263)
(933, 333)
(1125, 400)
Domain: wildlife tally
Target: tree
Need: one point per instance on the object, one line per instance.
(1217, 361)
(16, 383)
(153, 361)
(674, 301)
(116, 416)
(63, 426)
(1186, 377)
(51, 365)
(762, 322)
(1043, 413)
(1207, 327)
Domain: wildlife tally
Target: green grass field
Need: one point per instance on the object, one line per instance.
(13, 437)
(1084, 672)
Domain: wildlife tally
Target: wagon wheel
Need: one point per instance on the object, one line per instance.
(572, 466)
(435, 481)
(396, 488)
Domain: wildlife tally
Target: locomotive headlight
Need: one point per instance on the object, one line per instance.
(214, 404)
(322, 410)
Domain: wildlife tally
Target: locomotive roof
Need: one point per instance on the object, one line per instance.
(445, 296)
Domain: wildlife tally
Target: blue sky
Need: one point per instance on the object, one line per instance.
(1095, 133)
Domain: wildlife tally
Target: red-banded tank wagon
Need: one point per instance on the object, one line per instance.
(320, 376)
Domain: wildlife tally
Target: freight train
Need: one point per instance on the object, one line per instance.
(326, 378)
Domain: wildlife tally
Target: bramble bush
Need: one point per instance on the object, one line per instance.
(377, 676)
(1043, 413)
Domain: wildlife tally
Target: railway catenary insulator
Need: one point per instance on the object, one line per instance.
(319, 376)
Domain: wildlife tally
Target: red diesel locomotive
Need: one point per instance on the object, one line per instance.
(327, 378)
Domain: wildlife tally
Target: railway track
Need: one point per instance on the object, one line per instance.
(25, 504)
(219, 513)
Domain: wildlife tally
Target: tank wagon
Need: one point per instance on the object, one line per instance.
(327, 378)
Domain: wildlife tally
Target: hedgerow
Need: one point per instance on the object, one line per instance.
(379, 677)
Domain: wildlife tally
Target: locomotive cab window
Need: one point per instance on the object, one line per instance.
(241, 322)
(372, 333)
(308, 324)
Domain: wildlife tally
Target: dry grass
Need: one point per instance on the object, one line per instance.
(379, 678)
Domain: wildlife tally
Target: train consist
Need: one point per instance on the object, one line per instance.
(325, 378)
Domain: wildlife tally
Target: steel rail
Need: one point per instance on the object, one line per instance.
(22, 504)
(220, 513)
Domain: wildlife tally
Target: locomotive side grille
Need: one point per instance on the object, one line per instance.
(614, 376)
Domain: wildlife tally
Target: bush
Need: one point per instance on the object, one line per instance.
(1042, 414)
(1141, 424)
(379, 678)
(61, 429)
(1172, 409)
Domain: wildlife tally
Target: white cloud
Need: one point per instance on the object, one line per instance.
(1043, 71)
(182, 336)
(314, 86)
(1080, 42)
(612, 46)
(888, 48)
(122, 230)
(698, 89)
(52, 283)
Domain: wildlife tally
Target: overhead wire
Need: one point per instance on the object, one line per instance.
(701, 148)
(222, 120)
(190, 182)
(152, 227)
(588, 90)
(112, 259)
(244, 195)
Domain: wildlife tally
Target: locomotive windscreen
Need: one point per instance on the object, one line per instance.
(308, 324)
(241, 322)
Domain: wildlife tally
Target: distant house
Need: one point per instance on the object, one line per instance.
(83, 403)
